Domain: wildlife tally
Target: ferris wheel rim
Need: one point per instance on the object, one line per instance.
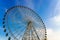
(23, 7)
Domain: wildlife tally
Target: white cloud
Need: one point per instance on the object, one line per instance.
(53, 35)
(53, 24)
(29, 3)
(57, 8)
(55, 20)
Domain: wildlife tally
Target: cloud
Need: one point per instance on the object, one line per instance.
(53, 35)
(29, 3)
(57, 8)
(55, 20)
(53, 23)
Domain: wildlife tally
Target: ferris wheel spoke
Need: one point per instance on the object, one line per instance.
(20, 24)
(20, 33)
(17, 30)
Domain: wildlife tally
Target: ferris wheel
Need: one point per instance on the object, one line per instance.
(22, 23)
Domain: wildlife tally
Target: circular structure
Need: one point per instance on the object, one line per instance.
(23, 24)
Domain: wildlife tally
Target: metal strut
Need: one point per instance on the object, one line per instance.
(30, 33)
(36, 34)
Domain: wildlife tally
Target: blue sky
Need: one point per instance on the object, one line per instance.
(48, 10)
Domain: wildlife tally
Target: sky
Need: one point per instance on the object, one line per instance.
(48, 10)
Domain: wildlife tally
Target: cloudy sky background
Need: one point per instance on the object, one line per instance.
(49, 11)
